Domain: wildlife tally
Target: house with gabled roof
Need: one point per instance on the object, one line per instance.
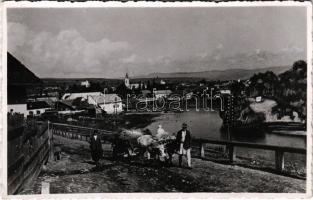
(36, 108)
(110, 103)
(19, 79)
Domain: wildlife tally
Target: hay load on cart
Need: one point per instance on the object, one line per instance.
(136, 143)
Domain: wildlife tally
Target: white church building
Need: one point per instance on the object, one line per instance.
(133, 85)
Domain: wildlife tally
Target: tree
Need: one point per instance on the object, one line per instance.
(149, 85)
(293, 86)
(122, 90)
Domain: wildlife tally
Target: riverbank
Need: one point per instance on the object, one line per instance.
(266, 107)
(75, 173)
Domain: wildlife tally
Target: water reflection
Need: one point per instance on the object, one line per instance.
(203, 124)
(256, 136)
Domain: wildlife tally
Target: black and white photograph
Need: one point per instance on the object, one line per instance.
(157, 98)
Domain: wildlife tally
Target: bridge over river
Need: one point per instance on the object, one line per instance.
(76, 173)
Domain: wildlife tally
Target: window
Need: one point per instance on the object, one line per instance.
(31, 112)
(38, 112)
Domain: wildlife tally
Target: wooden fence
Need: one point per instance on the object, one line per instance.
(28, 150)
(83, 133)
(231, 146)
(79, 132)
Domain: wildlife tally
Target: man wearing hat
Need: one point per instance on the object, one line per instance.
(160, 132)
(183, 140)
(96, 147)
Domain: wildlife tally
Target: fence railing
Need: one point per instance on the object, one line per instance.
(83, 133)
(231, 147)
(78, 132)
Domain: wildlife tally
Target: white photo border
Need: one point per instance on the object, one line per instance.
(99, 4)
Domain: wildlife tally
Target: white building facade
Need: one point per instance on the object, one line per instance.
(18, 108)
(37, 111)
(161, 93)
(110, 103)
(85, 83)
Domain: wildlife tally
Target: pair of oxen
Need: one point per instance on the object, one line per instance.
(131, 143)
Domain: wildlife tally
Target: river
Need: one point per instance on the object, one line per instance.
(207, 124)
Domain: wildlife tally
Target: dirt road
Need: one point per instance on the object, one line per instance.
(75, 173)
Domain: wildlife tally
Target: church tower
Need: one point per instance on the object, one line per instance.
(126, 81)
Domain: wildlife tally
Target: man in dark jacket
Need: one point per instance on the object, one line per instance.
(183, 140)
(96, 147)
(57, 152)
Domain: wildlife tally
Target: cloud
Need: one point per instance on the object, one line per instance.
(292, 49)
(67, 53)
(17, 35)
(217, 52)
(220, 46)
(131, 59)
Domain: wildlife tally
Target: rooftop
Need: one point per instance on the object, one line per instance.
(37, 105)
(162, 91)
(18, 74)
(107, 98)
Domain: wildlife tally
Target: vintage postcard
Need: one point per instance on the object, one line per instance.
(156, 100)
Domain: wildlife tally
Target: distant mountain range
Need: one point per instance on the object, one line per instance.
(229, 74)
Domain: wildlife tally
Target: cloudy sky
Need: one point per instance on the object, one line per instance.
(108, 42)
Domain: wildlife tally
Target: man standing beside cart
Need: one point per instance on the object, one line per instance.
(183, 140)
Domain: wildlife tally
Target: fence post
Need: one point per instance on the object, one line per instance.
(231, 153)
(50, 141)
(202, 155)
(45, 187)
(279, 160)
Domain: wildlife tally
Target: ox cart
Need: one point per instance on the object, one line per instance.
(132, 144)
